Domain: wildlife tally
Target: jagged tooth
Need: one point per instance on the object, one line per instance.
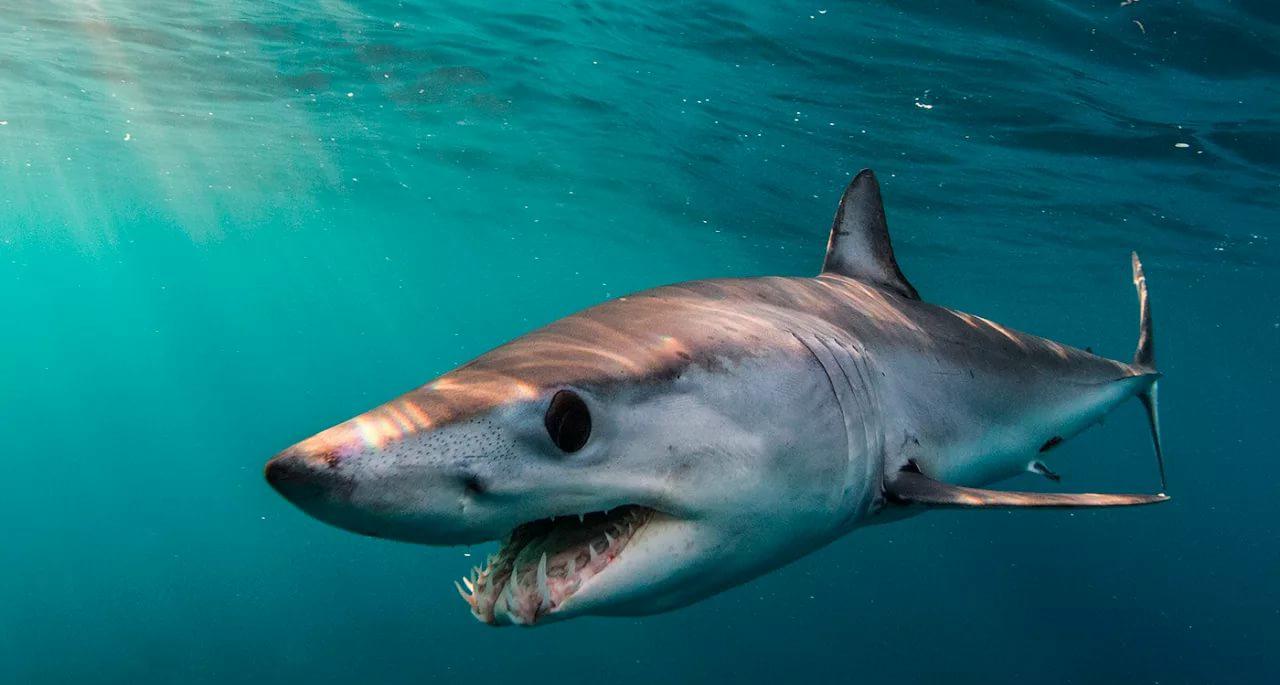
(462, 592)
(509, 595)
(543, 588)
(470, 585)
(608, 539)
(582, 518)
(573, 567)
(592, 549)
(515, 580)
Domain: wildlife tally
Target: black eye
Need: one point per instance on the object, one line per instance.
(568, 421)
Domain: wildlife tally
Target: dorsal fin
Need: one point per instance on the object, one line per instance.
(859, 245)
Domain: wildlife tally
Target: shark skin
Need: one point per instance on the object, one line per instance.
(657, 449)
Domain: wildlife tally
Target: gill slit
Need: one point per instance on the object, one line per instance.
(873, 429)
(844, 417)
(847, 415)
(867, 470)
(853, 389)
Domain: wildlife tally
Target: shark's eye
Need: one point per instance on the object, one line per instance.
(568, 421)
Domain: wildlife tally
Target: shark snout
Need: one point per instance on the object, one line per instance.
(400, 490)
(319, 483)
(307, 479)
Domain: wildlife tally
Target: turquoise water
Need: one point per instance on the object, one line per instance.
(224, 226)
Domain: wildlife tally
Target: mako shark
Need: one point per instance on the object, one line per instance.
(659, 448)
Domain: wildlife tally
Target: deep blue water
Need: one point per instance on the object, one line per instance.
(224, 226)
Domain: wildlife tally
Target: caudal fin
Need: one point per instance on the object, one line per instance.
(1145, 359)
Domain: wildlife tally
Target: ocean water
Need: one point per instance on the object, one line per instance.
(225, 226)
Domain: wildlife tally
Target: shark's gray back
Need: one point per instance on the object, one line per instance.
(733, 317)
(962, 395)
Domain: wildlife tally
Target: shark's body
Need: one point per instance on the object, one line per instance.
(730, 425)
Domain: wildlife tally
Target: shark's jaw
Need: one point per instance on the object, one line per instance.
(544, 563)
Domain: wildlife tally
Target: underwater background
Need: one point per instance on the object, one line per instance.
(227, 225)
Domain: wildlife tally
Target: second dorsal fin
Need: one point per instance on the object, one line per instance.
(859, 246)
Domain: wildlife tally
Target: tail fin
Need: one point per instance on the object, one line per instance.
(1145, 359)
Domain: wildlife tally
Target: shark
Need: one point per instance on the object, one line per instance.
(659, 448)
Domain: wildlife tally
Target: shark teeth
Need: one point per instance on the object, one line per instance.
(544, 590)
(552, 551)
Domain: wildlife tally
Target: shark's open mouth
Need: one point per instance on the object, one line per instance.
(544, 562)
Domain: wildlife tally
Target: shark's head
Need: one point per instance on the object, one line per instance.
(631, 459)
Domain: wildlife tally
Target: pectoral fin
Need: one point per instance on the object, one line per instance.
(912, 487)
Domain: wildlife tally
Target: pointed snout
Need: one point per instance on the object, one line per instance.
(422, 468)
(400, 490)
(307, 479)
